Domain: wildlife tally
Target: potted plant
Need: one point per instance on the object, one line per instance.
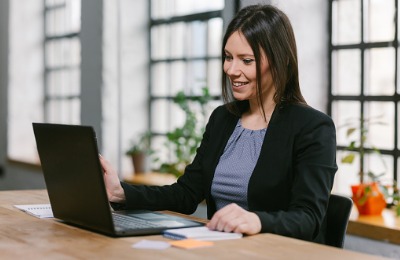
(183, 141)
(139, 150)
(368, 195)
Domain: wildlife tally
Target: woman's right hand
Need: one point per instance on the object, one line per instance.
(115, 192)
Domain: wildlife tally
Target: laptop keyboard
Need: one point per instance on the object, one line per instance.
(127, 222)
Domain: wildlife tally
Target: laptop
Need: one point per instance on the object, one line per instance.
(74, 179)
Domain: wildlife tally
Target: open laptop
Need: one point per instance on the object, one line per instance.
(74, 179)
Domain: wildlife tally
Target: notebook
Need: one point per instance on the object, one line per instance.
(200, 233)
(74, 179)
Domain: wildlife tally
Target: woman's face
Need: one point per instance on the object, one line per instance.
(240, 67)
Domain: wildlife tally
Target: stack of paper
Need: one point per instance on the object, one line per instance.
(199, 233)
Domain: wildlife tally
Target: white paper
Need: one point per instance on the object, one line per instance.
(200, 233)
(150, 244)
(37, 210)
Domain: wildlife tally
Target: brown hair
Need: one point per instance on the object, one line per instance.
(268, 30)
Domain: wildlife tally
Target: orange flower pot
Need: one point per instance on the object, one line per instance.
(368, 199)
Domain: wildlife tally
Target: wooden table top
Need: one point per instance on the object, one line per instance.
(384, 227)
(23, 236)
(151, 178)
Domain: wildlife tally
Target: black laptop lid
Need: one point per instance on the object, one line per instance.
(73, 175)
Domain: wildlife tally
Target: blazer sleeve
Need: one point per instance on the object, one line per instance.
(314, 167)
(182, 196)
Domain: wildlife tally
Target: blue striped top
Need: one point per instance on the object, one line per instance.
(236, 165)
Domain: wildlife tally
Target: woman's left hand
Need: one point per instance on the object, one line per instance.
(233, 218)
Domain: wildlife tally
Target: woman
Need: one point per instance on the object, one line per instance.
(267, 160)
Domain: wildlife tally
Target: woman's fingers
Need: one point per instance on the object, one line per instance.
(233, 218)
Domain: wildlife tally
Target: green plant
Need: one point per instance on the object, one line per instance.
(140, 145)
(183, 141)
(357, 133)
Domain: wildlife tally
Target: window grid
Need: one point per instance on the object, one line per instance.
(61, 61)
(168, 62)
(187, 66)
(363, 98)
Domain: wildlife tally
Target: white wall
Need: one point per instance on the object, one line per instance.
(25, 82)
(125, 74)
(124, 81)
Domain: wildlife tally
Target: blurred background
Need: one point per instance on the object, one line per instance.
(116, 65)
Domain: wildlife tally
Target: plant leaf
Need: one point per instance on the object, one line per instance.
(350, 130)
(348, 158)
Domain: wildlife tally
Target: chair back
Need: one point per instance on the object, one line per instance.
(337, 216)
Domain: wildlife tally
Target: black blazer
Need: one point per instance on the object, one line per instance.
(291, 182)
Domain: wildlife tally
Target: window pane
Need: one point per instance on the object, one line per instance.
(160, 116)
(346, 175)
(215, 36)
(214, 70)
(380, 124)
(398, 171)
(345, 114)
(160, 78)
(160, 42)
(55, 21)
(379, 20)
(379, 164)
(398, 130)
(64, 111)
(380, 71)
(158, 144)
(184, 7)
(346, 21)
(63, 52)
(196, 73)
(54, 2)
(178, 30)
(168, 8)
(346, 72)
(178, 79)
(161, 9)
(165, 116)
(64, 83)
(65, 19)
(197, 39)
(398, 70)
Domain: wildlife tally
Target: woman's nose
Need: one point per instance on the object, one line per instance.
(233, 69)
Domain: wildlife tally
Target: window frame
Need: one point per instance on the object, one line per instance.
(187, 19)
(363, 98)
(48, 69)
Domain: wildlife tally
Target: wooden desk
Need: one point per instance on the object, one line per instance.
(151, 178)
(385, 227)
(23, 236)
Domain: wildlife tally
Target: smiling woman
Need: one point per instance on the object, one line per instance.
(240, 67)
(266, 162)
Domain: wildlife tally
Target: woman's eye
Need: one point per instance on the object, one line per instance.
(248, 61)
(228, 58)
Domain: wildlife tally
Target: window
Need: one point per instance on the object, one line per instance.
(364, 83)
(185, 47)
(44, 71)
(62, 61)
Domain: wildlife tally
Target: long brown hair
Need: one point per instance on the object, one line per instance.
(268, 30)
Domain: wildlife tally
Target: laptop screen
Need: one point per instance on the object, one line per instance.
(73, 174)
(74, 178)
